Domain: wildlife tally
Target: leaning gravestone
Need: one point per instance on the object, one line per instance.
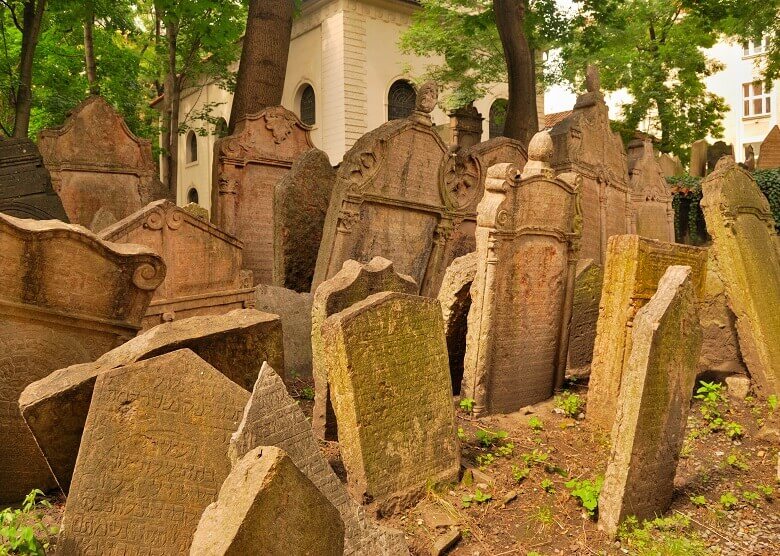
(153, 456)
(390, 386)
(717, 151)
(745, 245)
(266, 504)
(652, 214)
(698, 166)
(65, 297)
(56, 407)
(527, 244)
(584, 315)
(353, 283)
(720, 344)
(634, 266)
(769, 155)
(247, 167)
(670, 165)
(273, 418)
(25, 183)
(652, 408)
(204, 275)
(295, 311)
(101, 171)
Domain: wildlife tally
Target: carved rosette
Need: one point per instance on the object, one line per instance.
(459, 181)
(361, 166)
(347, 220)
(280, 122)
(148, 276)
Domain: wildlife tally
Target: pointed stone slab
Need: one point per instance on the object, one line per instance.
(353, 283)
(769, 155)
(653, 404)
(56, 407)
(267, 505)
(273, 418)
(153, 456)
(652, 214)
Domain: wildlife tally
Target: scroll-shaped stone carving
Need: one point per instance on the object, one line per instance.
(527, 244)
(652, 214)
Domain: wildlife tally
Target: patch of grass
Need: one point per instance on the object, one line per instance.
(571, 404)
(736, 461)
(307, 393)
(587, 492)
(547, 486)
(519, 474)
(535, 423)
(668, 536)
(22, 530)
(488, 438)
(729, 501)
(698, 501)
(478, 497)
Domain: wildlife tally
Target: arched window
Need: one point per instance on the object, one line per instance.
(497, 117)
(192, 147)
(221, 127)
(308, 108)
(400, 100)
(192, 195)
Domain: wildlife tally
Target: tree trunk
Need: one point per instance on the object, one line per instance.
(521, 117)
(31, 24)
(89, 55)
(170, 132)
(263, 65)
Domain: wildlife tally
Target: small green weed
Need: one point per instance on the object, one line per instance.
(307, 393)
(772, 402)
(571, 404)
(587, 492)
(535, 423)
(752, 498)
(547, 486)
(22, 531)
(461, 434)
(766, 490)
(729, 501)
(467, 405)
(485, 460)
(668, 536)
(505, 450)
(698, 501)
(735, 461)
(734, 430)
(478, 497)
(519, 474)
(488, 438)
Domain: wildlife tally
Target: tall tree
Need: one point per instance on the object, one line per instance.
(260, 80)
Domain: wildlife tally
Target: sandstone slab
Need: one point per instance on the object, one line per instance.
(652, 214)
(585, 315)
(769, 155)
(295, 311)
(720, 344)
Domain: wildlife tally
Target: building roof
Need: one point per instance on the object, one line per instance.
(551, 120)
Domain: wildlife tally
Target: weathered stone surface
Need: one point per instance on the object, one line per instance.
(585, 314)
(720, 344)
(247, 167)
(203, 263)
(634, 267)
(528, 232)
(153, 456)
(738, 386)
(745, 244)
(717, 151)
(465, 127)
(266, 504)
(698, 166)
(300, 202)
(769, 155)
(400, 194)
(197, 211)
(652, 214)
(653, 404)
(496, 151)
(670, 165)
(353, 283)
(295, 311)
(455, 299)
(25, 183)
(390, 385)
(65, 297)
(100, 170)
(56, 407)
(273, 418)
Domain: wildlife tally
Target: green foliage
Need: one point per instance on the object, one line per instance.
(766, 490)
(752, 498)
(571, 404)
(547, 486)
(485, 460)
(505, 450)
(734, 460)
(768, 182)
(729, 501)
(772, 402)
(535, 423)
(519, 474)
(488, 438)
(698, 500)
(478, 497)
(467, 405)
(587, 492)
(23, 531)
(462, 434)
(734, 430)
(669, 536)
(307, 393)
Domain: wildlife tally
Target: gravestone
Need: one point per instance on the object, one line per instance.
(100, 170)
(715, 152)
(401, 195)
(55, 407)
(273, 418)
(267, 502)
(295, 311)
(390, 386)
(353, 283)
(652, 214)
(203, 263)
(634, 267)
(300, 202)
(247, 167)
(698, 166)
(720, 344)
(521, 299)
(585, 144)
(653, 404)
(750, 158)
(25, 183)
(745, 245)
(585, 315)
(488, 153)
(65, 297)
(153, 456)
(769, 154)
(670, 165)
(465, 126)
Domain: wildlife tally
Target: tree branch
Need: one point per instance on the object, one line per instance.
(13, 14)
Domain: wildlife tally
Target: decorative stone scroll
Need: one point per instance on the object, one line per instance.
(769, 155)
(236, 344)
(204, 275)
(652, 214)
(745, 244)
(401, 195)
(247, 167)
(153, 456)
(101, 171)
(25, 183)
(521, 299)
(65, 297)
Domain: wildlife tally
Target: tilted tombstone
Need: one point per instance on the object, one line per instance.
(353, 283)
(717, 151)
(750, 158)
(273, 418)
(585, 144)
(295, 311)
(652, 214)
(769, 154)
(465, 126)
(521, 299)
(745, 245)
(670, 165)
(390, 385)
(203, 263)
(652, 407)
(153, 456)
(584, 315)
(25, 183)
(101, 171)
(247, 166)
(634, 266)
(698, 165)
(300, 202)
(266, 504)
(56, 407)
